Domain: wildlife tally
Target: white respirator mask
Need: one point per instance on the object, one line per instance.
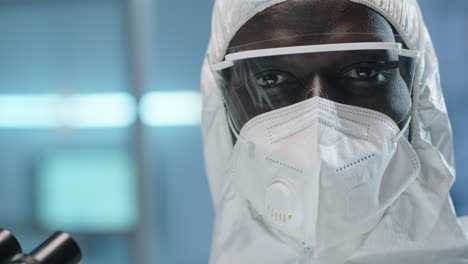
(321, 172)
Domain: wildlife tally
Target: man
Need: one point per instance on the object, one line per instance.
(326, 135)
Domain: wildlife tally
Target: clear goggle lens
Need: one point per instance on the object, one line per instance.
(373, 75)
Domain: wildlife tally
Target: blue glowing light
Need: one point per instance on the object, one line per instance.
(75, 111)
(88, 191)
(111, 110)
(171, 108)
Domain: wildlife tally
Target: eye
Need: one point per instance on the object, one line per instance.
(271, 79)
(275, 89)
(362, 72)
(370, 71)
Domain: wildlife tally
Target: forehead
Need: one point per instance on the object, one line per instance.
(317, 21)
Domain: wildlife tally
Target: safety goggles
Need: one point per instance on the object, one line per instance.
(373, 75)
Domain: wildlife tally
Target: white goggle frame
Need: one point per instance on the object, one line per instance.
(249, 54)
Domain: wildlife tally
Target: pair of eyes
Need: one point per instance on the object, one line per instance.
(356, 72)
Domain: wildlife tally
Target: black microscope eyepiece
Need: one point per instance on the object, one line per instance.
(60, 248)
(9, 247)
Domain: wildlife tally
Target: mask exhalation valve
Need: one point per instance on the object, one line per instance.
(281, 204)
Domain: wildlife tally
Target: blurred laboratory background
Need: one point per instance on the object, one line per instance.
(78, 153)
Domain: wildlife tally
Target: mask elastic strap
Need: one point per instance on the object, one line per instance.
(402, 132)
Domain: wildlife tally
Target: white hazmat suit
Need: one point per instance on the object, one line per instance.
(419, 227)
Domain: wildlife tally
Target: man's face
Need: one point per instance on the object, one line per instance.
(369, 79)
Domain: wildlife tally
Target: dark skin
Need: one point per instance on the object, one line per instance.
(368, 79)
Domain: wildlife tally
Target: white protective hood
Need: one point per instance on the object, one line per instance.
(421, 227)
